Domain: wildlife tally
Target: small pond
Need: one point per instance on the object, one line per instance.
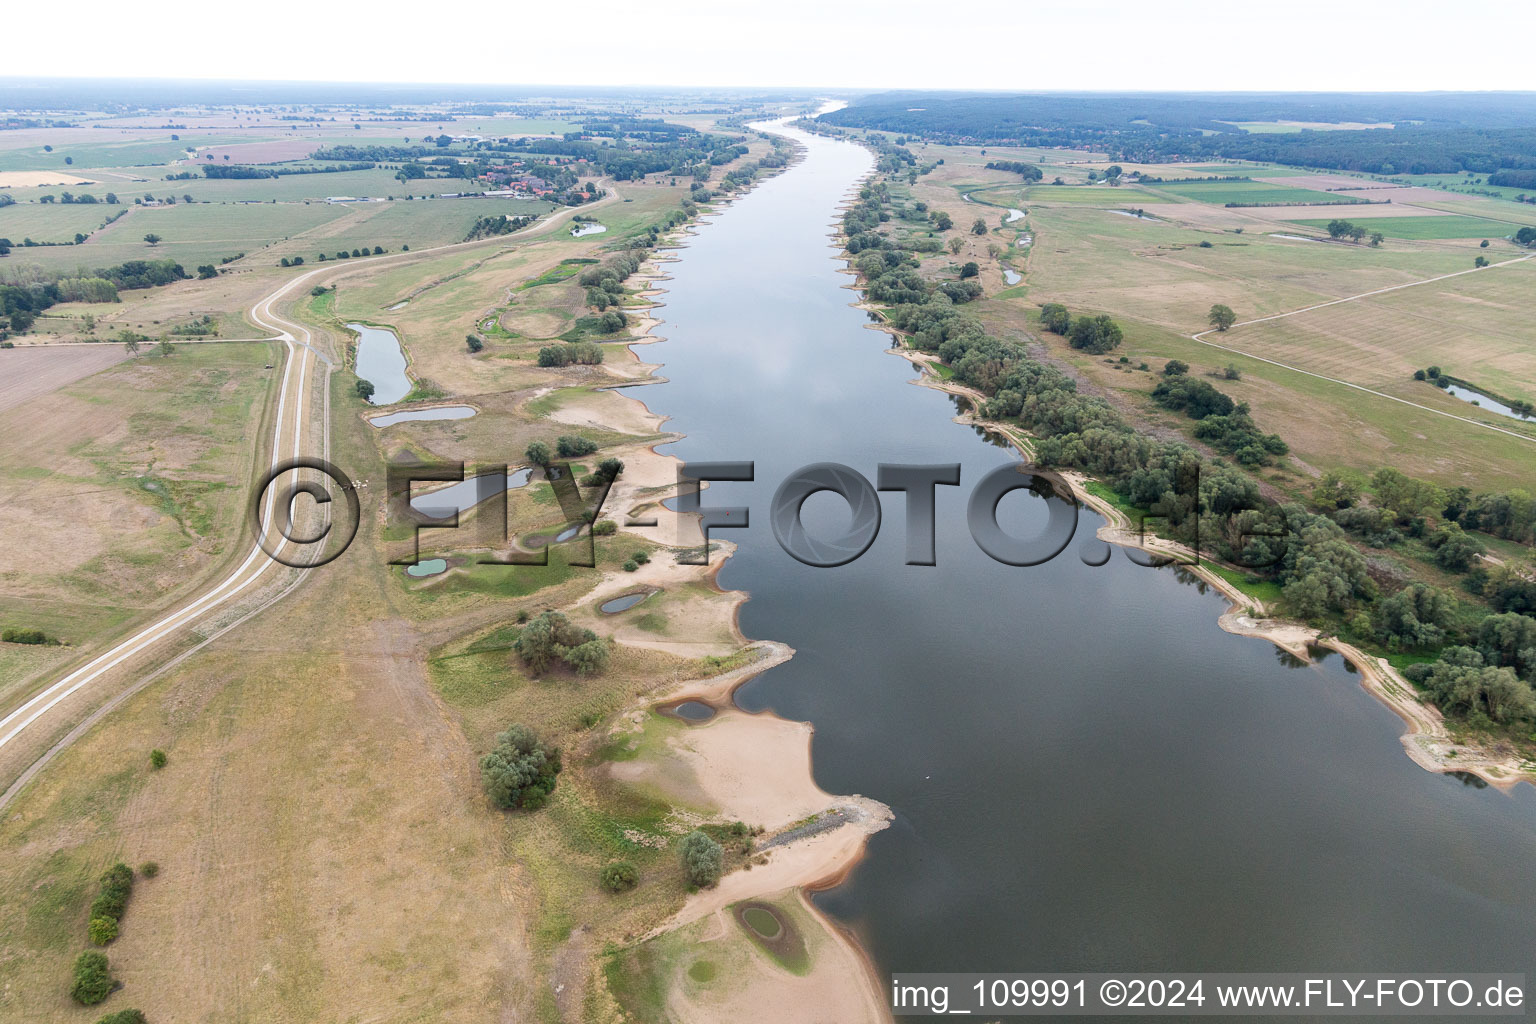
(539, 540)
(623, 604)
(398, 305)
(381, 362)
(690, 710)
(1013, 215)
(762, 921)
(1012, 276)
(466, 494)
(1483, 401)
(427, 567)
(588, 228)
(442, 412)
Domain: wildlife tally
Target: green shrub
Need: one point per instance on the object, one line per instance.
(102, 930)
(630, 566)
(551, 637)
(93, 979)
(537, 453)
(640, 557)
(520, 770)
(28, 636)
(703, 858)
(620, 875)
(124, 1017)
(116, 885)
(572, 446)
(149, 869)
(1055, 318)
(1096, 335)
(604, 528)
(157, 758)
(590, 658)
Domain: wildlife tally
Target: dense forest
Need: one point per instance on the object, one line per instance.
(616, 148)
(27, 290)
(1433, 133)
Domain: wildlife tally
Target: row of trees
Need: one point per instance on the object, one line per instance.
(501, 224)
(1342, 229)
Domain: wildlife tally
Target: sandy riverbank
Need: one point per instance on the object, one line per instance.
(754, 768)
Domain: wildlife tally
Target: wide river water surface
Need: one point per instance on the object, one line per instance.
(1086, 772)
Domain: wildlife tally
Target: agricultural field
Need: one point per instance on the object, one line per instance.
(1428, 228)
(1465, 184)
(52, 222)
(198, 233)
(190, 234)
(1291, 127)
(1222, 170)
(377, 183)
(1090, 195)
(1223, 192)
(100, 150)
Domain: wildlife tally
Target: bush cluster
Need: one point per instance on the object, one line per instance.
(520, 770)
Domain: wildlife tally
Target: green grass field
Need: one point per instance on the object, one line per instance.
(1223, 192)
(1461, 183)
(1251, 170)
(376, 183)
(1090, 195)
(131, 152)
(192, 234)
(1422, 228)
(52, 222)
(197, 233)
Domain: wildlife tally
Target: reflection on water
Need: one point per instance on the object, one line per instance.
(1468, 779)
(466, 494)
(623, 604)
(442, 412)
(1483, 401)
(1087, 772)
(381, 362)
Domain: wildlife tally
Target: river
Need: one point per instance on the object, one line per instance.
(1086, 772)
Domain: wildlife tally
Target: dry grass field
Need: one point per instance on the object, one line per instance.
(122, 490)
(27, 373)
(1157, 279)
(325, 849)
(1473, 326)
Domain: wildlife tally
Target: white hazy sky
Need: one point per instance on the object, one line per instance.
(1216, 45)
